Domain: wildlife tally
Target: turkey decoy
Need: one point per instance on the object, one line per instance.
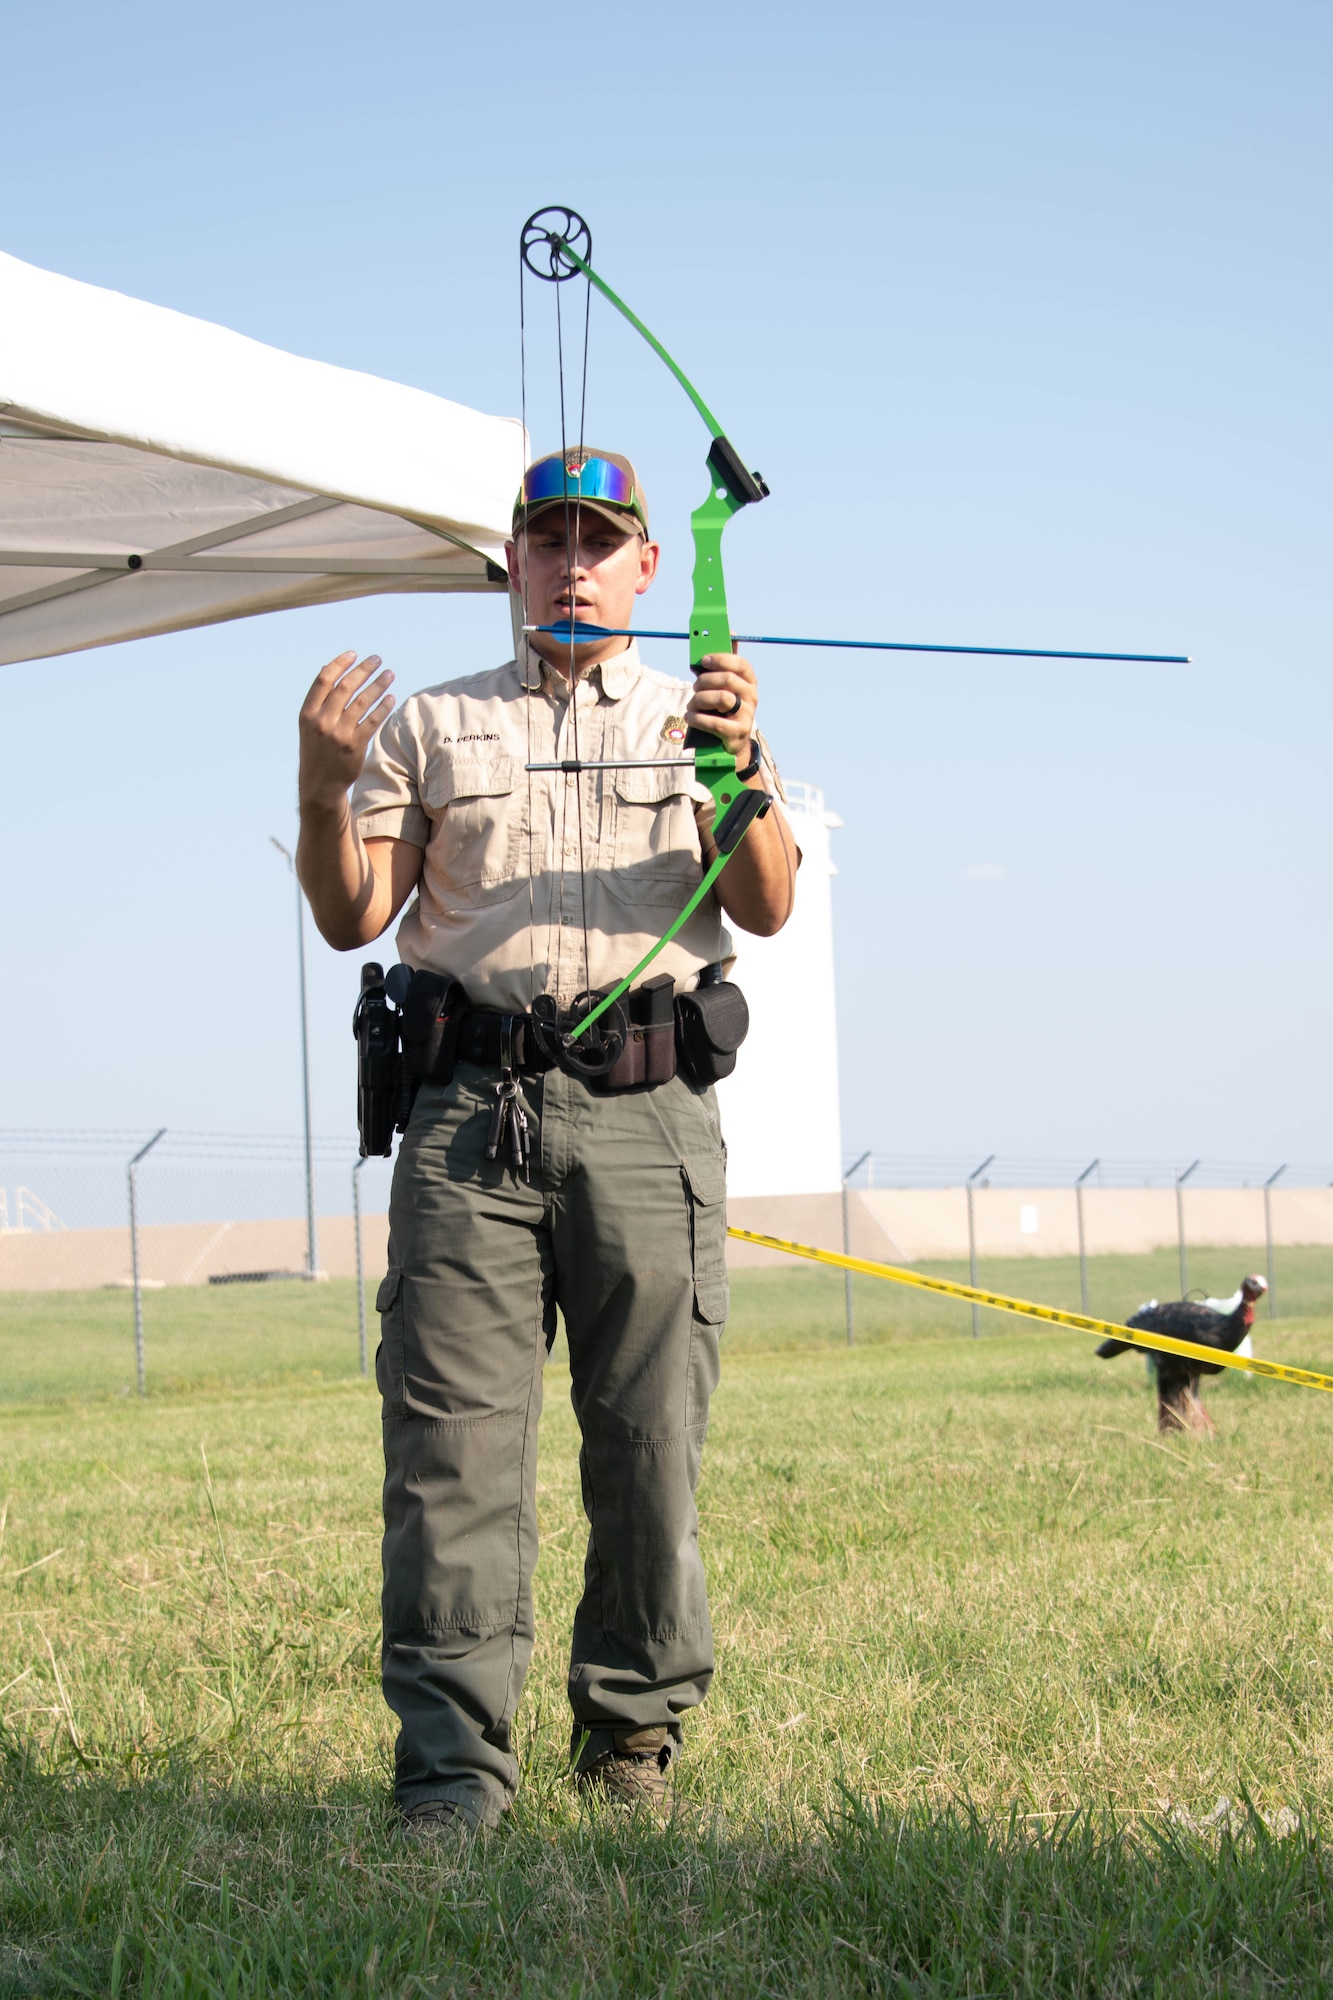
(1178, 1379)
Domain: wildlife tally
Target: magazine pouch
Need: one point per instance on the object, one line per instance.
(649, 1055)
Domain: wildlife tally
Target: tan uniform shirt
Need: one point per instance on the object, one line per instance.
(545, 882)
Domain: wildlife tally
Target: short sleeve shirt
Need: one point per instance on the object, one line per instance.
(545, 882)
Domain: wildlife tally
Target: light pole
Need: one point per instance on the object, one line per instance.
(1082, 1244)
(972, 1239)
(1180, 1225)
(132, 1175)
(311, 1228)
(847, 1240)
(360, 1263)
(1269, 1184)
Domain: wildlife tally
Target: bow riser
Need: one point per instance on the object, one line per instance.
(710, 628)
(710, 632)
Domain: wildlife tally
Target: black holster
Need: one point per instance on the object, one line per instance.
(400, 1048)
(378, 1065)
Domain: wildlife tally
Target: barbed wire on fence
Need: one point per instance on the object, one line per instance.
(75, 1179)
(194, 1281)
(161, 1222)
(945, 1170)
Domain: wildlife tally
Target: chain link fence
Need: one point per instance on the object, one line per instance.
(141, 1261)
(136, 1259)
(1181, 1228)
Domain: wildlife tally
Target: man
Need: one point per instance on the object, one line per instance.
(530, 884)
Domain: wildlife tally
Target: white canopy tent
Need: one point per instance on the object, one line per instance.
(158, 472)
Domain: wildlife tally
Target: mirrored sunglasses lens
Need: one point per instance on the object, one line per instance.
(596, 479)
(600, 480)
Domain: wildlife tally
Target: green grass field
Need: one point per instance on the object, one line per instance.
(990, 1652)
(57, 1345)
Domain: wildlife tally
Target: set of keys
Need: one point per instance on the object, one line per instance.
(509, 1119)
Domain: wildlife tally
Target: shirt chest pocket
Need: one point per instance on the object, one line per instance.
(656, 837)
(476, 805)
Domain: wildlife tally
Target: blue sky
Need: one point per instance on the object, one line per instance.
(1024, 314)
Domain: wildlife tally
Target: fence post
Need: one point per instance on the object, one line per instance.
(847, 1244)
(1180, 1226)
(1268, 1237)
(132, 1175)
(360, 1266)
(1082, 1244)
(972, 1239)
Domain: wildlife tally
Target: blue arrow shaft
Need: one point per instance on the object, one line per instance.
(591, 632)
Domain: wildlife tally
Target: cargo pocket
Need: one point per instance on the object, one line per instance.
(705, 1177)
(389, 1353)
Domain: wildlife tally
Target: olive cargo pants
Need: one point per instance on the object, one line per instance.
(624, 1228)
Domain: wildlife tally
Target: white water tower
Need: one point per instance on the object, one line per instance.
(780, 1107)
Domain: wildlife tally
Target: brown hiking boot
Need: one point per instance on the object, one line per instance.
(636, 1774)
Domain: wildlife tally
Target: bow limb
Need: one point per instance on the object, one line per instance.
(730, 487)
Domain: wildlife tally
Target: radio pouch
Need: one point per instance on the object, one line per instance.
(711, 1024)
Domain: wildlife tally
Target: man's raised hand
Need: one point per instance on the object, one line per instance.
(345, 706)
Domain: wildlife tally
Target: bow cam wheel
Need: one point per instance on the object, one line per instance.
(545, 237)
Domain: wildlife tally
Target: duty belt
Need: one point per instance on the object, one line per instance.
(415, 1027)
(481, 1039)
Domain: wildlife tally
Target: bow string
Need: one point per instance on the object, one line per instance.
(556, 245)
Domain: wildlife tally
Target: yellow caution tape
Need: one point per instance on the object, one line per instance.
(1132, 1336)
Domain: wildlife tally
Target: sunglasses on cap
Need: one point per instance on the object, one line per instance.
(596, 479)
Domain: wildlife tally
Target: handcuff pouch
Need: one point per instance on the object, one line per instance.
(711, 1024)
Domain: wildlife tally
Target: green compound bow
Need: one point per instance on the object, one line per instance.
(556, 245)
(547, 248)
